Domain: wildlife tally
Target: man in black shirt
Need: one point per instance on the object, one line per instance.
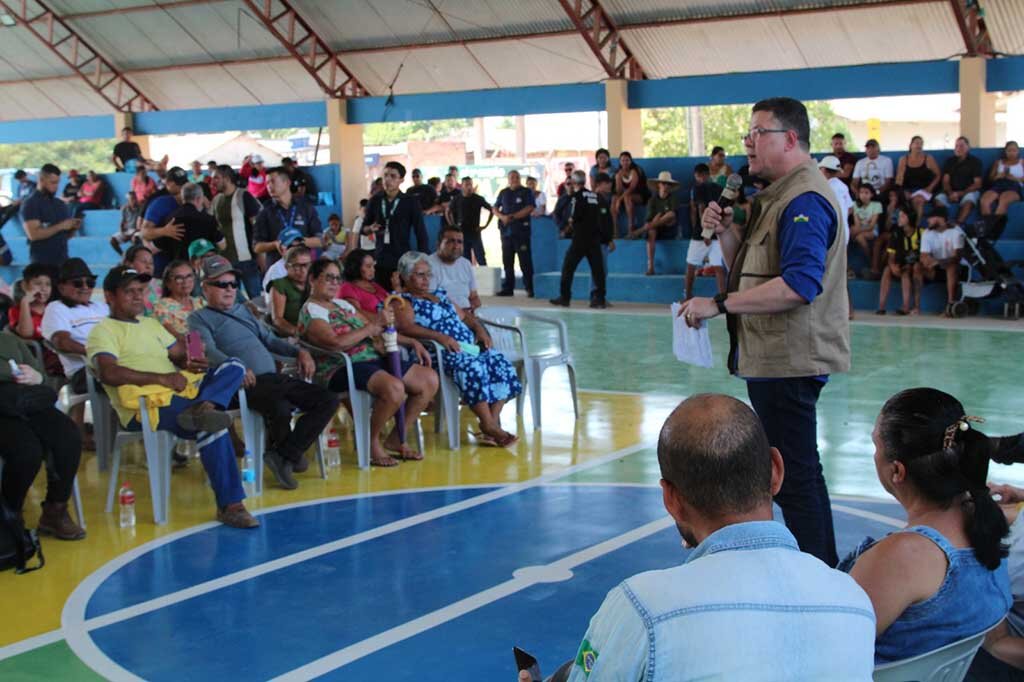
(465, 210)
(588, 231)
(393, 217)
(283, 211)
(448, 193)
(961, 179)
(127, 155)
(195, 225)
(425, 194)
(302, 182)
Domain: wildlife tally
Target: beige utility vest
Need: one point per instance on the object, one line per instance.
(809, 340)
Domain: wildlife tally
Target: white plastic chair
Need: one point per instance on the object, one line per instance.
(946, 664)
(447, 404)
(158, 446)
(254, 432)
(503, 324)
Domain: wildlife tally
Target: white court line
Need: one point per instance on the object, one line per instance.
(76, 628)
(871, 516)
(419, 625)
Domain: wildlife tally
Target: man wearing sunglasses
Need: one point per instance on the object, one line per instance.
(129, 350)
(786, 306)
(230, 331)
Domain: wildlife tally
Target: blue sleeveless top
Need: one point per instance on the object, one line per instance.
(971, 599)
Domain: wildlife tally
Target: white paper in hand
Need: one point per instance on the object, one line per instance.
(692, 346)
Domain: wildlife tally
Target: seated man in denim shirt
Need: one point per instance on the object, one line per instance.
(746, 604)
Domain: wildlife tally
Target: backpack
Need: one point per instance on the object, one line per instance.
(17, 544)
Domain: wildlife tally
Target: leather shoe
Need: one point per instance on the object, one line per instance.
(559, 301)
(56, 521)
(281, 468)
(237, 516)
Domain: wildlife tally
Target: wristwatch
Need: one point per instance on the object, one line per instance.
(720, 302)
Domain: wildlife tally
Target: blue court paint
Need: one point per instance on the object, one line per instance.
(541, 99)
(872, 80)
(218, 119)
(47, 129)
(220, 551)
(279, 621)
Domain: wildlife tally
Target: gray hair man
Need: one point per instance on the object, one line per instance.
(195, 224)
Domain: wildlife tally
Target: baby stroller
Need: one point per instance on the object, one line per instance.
(988, 275)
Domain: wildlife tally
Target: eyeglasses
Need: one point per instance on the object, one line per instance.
(83, 282)
(182, 278)
(332, 279)
(233, 284)
(298, 266)
(759, 131)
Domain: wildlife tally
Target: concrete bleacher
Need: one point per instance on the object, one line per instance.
(92, 243)
(627, 283)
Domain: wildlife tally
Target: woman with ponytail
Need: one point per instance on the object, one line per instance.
(943, 577)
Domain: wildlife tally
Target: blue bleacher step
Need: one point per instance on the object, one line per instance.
(630, 257)
(90, 249)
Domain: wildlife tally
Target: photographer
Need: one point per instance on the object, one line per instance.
(35, 431)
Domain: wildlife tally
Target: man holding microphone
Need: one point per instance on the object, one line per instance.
(787, 307)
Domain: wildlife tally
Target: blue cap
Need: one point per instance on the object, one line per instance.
(289, 236)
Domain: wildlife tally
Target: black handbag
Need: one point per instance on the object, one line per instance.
(18, 544)
(19, 401)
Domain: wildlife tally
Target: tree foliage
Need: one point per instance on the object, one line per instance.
(402, 131)
(665, 130)
(83, 155)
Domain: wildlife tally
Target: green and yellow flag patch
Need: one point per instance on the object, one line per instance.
(586, 658)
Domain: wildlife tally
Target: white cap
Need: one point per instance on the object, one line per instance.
(256, 158)
(831, 163)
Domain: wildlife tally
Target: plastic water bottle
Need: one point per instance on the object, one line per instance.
(126, 496)
(332, 450)
(249, 474)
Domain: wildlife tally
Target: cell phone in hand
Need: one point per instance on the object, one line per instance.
(194, 347)
(525, 661)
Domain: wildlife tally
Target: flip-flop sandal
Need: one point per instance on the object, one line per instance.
(506, 442)
(484, 439)
(412, 457)
(383, 463)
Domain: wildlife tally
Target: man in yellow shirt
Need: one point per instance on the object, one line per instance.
(129, 350)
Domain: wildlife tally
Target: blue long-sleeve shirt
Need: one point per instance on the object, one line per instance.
(806, 231)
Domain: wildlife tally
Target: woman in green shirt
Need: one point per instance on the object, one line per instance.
(288, 293)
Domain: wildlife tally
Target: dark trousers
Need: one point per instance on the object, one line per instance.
(578, 251)
(787, 409)
(512, 245)
(472, 243)
(251, 277)
(46, 436)
(275, 396)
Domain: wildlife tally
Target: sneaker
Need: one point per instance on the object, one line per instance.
(281, 468)
(505, 292)
(559, 301)
(529, 294)
(56, 521)
(601, 305)
(237, 516)
(203, 417)
(300, 466)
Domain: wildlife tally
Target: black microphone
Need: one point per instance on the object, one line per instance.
(733, 187)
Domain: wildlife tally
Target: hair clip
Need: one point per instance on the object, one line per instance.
(961, 424)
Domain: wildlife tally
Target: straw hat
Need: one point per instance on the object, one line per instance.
(664, 176)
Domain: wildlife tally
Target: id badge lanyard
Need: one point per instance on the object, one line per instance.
(285, 224)
(387, 217)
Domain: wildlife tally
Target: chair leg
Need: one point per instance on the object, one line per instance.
(521, 372)
(154, 462)
(115, 467)
(572, 387)
(451, 414)
(533, 381)
(439, 408)
(362, 403)
(320, 456)
(76, 494)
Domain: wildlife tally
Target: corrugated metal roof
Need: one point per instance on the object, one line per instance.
(1005, 21)
(356, 24)
(639, 11)
(836, 38)
(49, 99)
(194, 33)
(64, 7)
(23, 56)
(241, 84)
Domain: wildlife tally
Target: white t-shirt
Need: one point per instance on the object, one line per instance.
(457, 278)
(275, 271)
(78, 321)
(541, 203)
(874, 171)
(842, 193)
(318, 312)
(942, 245)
